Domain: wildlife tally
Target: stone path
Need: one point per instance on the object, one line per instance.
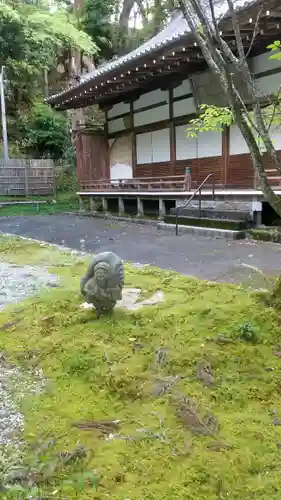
(206, 258)
(16, 283)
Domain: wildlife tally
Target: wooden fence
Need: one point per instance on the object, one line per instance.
(26, 177)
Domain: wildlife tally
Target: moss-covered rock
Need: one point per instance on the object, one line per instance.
(270, 234)
(207, 222)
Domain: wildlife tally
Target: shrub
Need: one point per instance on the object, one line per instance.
(46, 132)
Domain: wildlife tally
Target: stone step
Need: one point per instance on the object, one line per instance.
(225, 203)
(239, 215)
(234, 225)
(210, 232)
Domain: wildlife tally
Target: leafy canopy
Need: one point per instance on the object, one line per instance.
(32, 39)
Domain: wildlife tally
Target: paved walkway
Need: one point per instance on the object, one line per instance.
(206, 258)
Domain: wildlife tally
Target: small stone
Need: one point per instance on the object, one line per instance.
(277, 421)
(204, 373)
(222, 339)
(7, 326)
(17, 475)
(277, 354)
(218, 446)
(137, 346)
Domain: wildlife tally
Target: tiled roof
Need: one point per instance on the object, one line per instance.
(175, 30)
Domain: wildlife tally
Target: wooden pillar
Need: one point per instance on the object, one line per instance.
(172, 135)
(133, 139)
(225, 155)
(107, 157)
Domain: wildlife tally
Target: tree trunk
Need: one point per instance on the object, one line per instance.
(125, 15)
(46, 83)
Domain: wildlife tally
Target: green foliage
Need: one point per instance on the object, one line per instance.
(66, 181)
(32, 39)
(267, 234)
(40, 470)
(211, 118)
(276, 295)
(248, 333)
(104, 370)
(95, 20)
(46, 132)
(276, 48)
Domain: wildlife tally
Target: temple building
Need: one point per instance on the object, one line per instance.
(150, 95)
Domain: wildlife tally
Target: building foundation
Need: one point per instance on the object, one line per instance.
(104, 202)
(162, 209)
(93, 205)
(81, 204)
(121, 208)
(140, 209)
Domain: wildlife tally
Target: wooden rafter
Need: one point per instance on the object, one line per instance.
(138, 74)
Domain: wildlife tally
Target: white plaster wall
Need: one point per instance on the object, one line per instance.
(151, 115)
(153, 147)
(209, 144)
(237, 143)
(119, 109)
(116, 125)
(184, 88)
(186, 147)
(184, 107)
(120, 157)
(275, 135)
(160, 140)
(121, 171)
(144, 148)
(268, 84)
(150, 98)
(262, 63)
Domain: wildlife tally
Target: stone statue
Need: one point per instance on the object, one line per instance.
(103, 282)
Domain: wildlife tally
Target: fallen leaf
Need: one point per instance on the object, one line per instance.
(7, 326)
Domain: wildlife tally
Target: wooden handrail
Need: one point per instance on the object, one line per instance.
(198, 190)
(151, 183)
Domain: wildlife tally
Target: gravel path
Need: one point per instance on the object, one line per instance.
(206, 258)
(16, 283)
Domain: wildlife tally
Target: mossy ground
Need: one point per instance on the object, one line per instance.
(63, 203)
(94, 374)
(267, 234)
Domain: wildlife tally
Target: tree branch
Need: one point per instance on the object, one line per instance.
(237, 32)
(255, 32)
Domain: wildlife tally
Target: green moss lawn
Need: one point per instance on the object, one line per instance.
(62, 203)
(199, 420)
